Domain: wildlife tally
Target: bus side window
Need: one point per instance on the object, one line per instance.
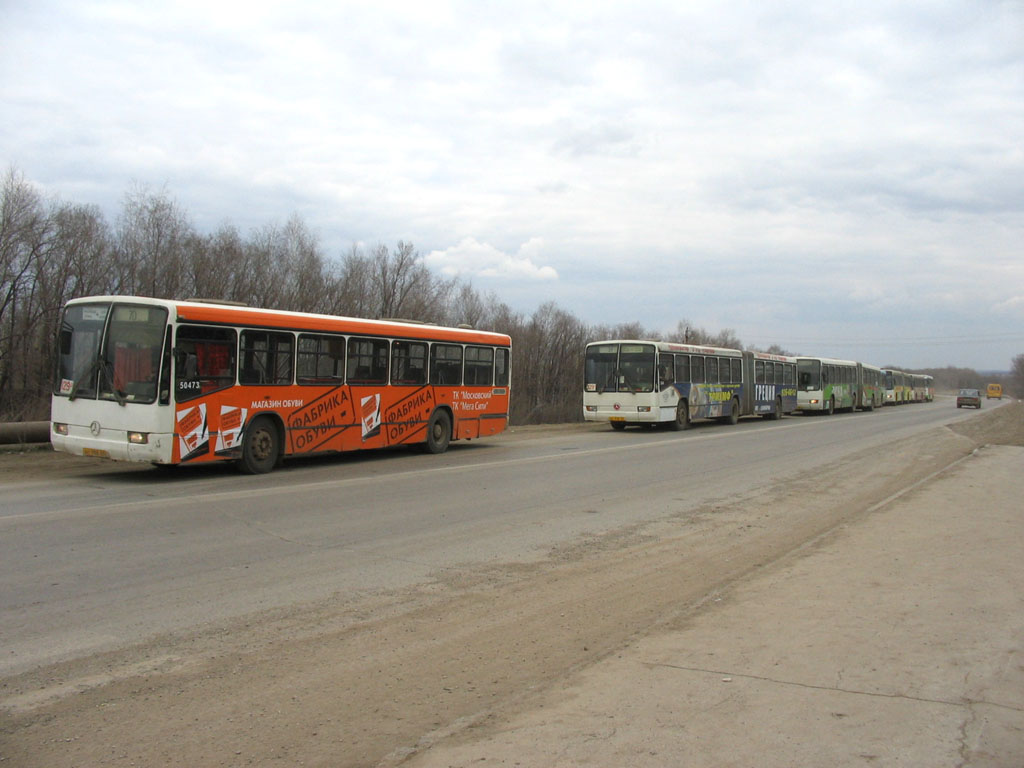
(408, 363)
(204, 360)
(711, 369)
(683, 368)
(666, 371)
(367, 361)
(320, 359)
(697, 369)
(479, 366)
(446, 364)
(501, 360)
(267, 357)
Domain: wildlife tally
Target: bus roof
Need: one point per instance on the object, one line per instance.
(234, 314)
(828, 360)
(771, 356)
(672, 346)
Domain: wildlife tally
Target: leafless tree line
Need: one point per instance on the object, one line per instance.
(52, 251)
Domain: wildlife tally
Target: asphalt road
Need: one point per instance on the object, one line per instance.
(93, 561)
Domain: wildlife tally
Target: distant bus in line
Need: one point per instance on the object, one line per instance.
(639, 382)
(922, 387)
(170, 382)
(897, 387)
(994, 390)
(828, 385)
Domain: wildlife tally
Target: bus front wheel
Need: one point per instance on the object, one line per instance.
(261, 447)
(830, 407)
(439, 432)
(682, 420)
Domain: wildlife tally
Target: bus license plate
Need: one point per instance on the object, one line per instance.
(95, 452)
(616, 418)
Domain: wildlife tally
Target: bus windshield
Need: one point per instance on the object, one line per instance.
(619, 368)
(110, 352)
(808, 375)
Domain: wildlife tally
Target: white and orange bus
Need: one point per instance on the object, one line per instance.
(170, 382)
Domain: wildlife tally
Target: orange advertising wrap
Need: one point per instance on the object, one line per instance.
(190, 381)
(330, 422)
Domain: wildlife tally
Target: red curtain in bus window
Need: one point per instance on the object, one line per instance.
(213, 359)
(214, 363)
(131, 364)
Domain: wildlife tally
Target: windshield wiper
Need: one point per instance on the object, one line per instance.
(84, 377)
(101, 366)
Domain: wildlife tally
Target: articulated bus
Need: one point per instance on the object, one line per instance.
(871, 387)
(655, 382)
(829, 385)
(172, 382)
(897, 387)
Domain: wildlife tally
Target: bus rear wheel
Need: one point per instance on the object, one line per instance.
(778, 410)
(734, 412)
(682, 419)
(261, 447)
(439, 432)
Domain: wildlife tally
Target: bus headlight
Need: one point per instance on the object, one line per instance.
(814, 401)
(592, 408)
(60, 429)
(138, 438)
(644, 408)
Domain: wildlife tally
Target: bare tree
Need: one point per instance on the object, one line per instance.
(1017, 375)
(298, 268)
(214, 265)
(392, 284)
(548, 370)
(80, 262)
(351, 293)
(688, 333)
(151, 237)
(468, 308)
(395, 276)
(25, 237)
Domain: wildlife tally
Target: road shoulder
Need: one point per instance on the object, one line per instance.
(896, 641)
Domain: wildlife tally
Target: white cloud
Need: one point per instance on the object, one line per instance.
(471, 258)
(765, 153)
(1013, 306)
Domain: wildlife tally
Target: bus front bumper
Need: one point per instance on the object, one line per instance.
(633, 415)
(117, 444)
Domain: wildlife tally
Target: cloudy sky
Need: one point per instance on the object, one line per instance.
(840, 178)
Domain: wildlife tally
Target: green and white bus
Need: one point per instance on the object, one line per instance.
(826, 385)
